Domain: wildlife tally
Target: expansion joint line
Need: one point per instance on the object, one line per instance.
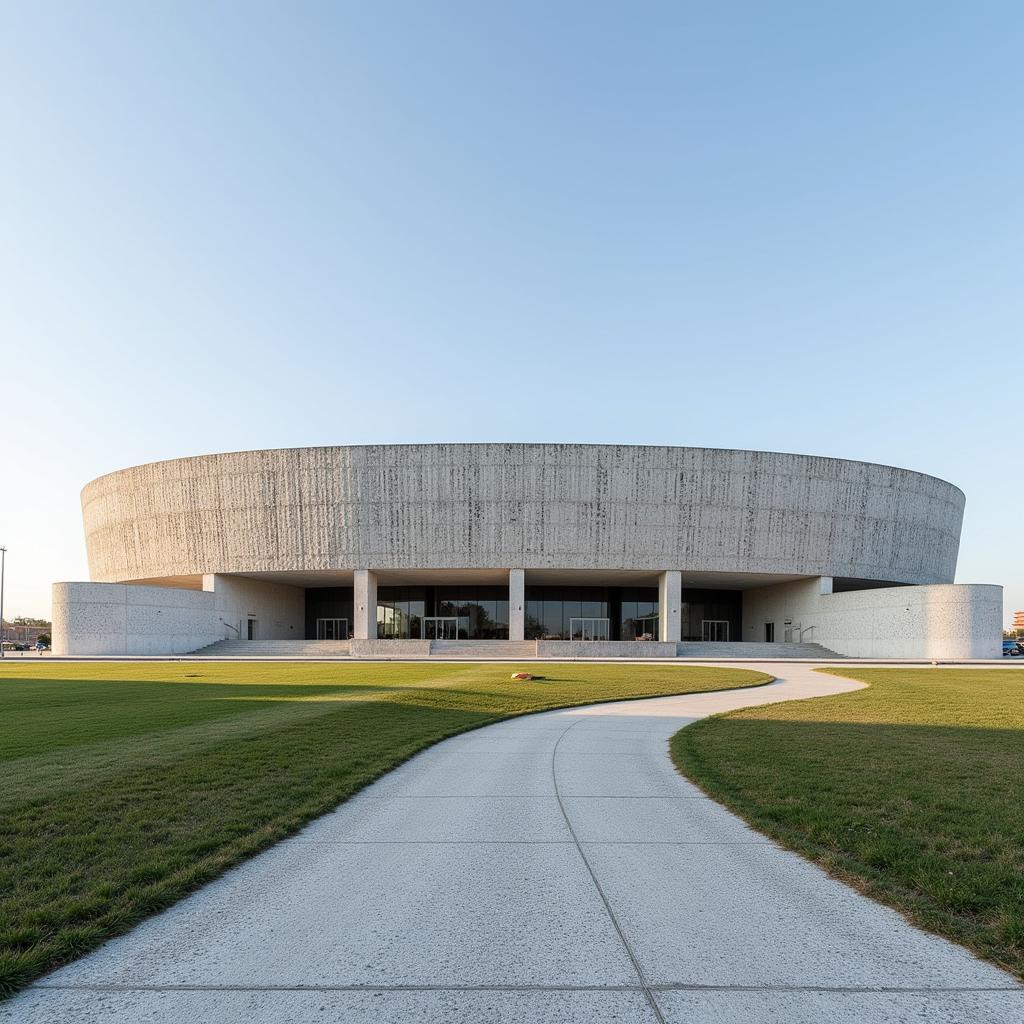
(644, 985)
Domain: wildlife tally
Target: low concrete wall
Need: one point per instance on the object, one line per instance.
(390, 648)
(945, 621)
(117, 618)
(129, 619)
(605, 649)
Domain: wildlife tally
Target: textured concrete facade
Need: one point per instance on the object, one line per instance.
(117, 618)
(112, 618)
(943, 622)
(224, 546)
(523, 506)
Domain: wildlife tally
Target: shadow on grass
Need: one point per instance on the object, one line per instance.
(80, 864)
(78, 868)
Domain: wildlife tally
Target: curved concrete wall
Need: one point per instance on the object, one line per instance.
(128, 619)
(521, 505)
(954, 622)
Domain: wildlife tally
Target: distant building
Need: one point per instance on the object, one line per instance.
(1018, 620)
(16, 633)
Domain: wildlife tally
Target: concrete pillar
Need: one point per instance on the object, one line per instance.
(670, 606)
(517, 604)
(365, 601)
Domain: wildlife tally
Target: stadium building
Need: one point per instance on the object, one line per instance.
(524, 549)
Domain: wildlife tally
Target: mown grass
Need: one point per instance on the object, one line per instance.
(911, 790)
(126, 785)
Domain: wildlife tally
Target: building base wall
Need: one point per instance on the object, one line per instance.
(117, 618)
(955, 622)
(605, 649)
(129, 619)
(949, 622)
(389, 648)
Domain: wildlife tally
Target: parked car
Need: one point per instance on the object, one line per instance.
(1013, 648)
(40, 646)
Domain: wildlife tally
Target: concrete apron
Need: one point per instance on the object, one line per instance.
(553, 868)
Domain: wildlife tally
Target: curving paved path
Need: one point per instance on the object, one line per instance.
(549, 869)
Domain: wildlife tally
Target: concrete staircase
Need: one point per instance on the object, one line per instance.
(275, 649)
(510, 650)
(476, 649)
(740, 649)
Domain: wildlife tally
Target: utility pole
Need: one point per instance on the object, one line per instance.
(3, 561)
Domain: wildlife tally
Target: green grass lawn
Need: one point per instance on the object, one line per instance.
(911, 790)
(126, 785)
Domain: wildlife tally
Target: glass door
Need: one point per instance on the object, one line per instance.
(588, 629)
(440, 627)
(714, 630)
(332, 629)
(647, 629)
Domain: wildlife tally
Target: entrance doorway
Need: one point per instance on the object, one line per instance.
(440, 627)
(714, 630)
(332, 629)
(647, 629)
(769, 632)
(588, 629)
(251, 630)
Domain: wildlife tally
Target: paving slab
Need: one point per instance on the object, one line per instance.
(620, 775)
(655, 820)
(430, 819)
(552, 868)
(853, 1007)
(752, 915)
(332, 1007)
(473, 773)
(419, 915)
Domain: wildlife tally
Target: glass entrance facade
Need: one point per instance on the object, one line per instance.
(332, 629)
(481, 613)
(440, 627)
(552, 613)
(470, 613)
(721, 607)
(328, 604)
(610, 613)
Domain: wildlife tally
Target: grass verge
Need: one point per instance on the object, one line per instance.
(911, 790)
(127, 785)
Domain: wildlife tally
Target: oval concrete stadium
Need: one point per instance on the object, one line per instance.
(530, 506)
(623, 549)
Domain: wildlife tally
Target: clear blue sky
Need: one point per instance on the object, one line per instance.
(790, 226)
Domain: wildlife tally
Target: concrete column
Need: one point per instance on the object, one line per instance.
(365, 601)
(670, 606)
(517, 604)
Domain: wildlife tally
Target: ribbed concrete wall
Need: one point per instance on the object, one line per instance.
(524, 506)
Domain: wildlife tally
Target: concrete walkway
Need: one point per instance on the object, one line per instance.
(550, 869)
